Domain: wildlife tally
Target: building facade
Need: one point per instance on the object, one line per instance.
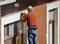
(47, 17)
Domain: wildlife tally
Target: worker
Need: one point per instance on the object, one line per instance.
(31, 19)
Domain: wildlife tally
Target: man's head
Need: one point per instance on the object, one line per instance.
(30, 8)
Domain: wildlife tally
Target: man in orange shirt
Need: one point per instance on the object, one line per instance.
(31, 19)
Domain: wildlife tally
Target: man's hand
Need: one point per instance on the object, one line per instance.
(22, 14)
(21, 17)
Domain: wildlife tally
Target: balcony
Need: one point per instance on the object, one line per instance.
(3, 2)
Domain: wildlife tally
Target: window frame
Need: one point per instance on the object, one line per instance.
(53, 22)
(51, 6)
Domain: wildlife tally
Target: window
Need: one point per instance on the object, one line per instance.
(53, 26)
(12, 28)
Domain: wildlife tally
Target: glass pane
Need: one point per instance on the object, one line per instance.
(11, 29)
(19, 25)
(5, 31)
(51, 14)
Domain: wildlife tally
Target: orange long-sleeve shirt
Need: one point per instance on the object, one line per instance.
(31, 19)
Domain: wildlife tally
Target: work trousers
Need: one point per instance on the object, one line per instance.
(32, 35)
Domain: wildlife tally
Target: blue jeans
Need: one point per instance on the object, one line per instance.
(32, 35)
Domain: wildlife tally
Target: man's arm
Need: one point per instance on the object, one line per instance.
(23, 17)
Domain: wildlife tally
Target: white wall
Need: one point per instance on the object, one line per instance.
(9, 19)
(7, 1)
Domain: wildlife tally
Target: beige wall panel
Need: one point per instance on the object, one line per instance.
(41, 20)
